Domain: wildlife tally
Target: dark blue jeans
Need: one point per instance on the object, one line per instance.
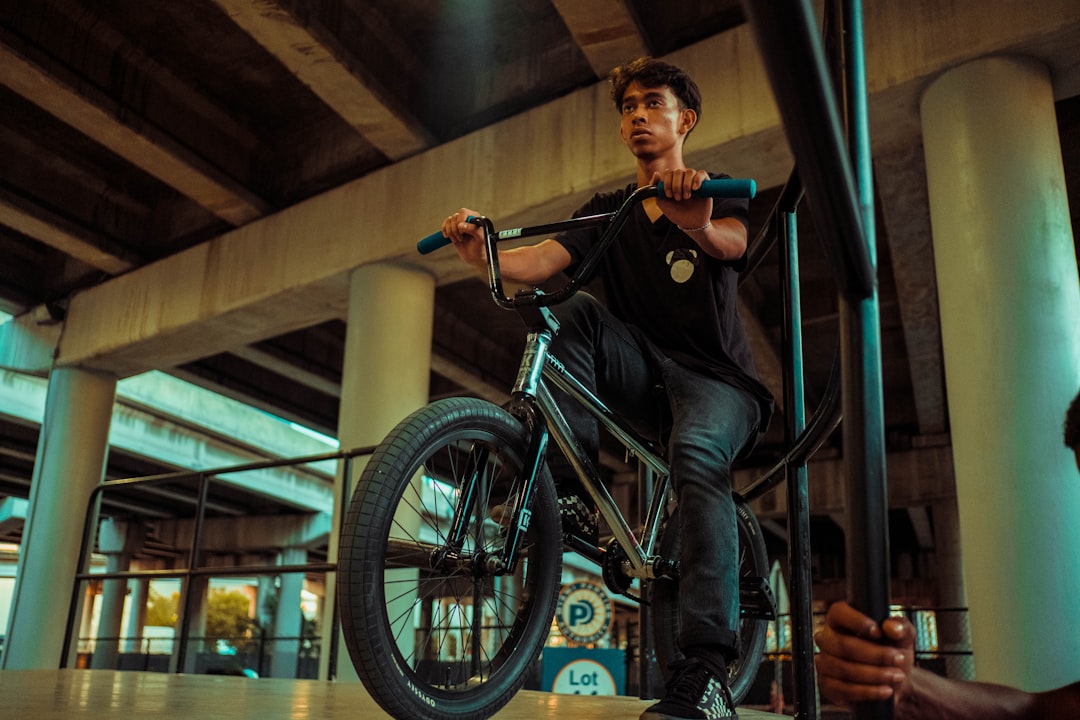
(707, 423)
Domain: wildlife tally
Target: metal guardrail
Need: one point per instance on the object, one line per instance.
(202, 479)
(252, 653)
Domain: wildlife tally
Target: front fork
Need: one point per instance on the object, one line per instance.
(523, 407)
(473, 488)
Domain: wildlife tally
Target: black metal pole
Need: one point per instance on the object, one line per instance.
(71, 637)
(646, 651)
(187, 601)
(788, 38)
(335, 610)
(864, 431)
(798, 494)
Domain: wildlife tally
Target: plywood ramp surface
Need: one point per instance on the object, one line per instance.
(114, 695)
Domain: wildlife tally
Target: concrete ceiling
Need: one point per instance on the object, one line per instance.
(132, 133)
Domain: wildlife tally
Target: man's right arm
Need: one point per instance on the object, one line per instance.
(528, 264)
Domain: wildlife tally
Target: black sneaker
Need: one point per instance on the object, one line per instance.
(579, 519)
(696, 691)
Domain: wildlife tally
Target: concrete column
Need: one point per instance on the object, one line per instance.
(87, 601)
(287, 617)
(265, 591)
(198, 586)
(1010, 321)
(954, 632)
(386, 376)
(117, 541)
(139, 592)
(70, 463)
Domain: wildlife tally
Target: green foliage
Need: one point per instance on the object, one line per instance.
(162, 610)
(227, 616)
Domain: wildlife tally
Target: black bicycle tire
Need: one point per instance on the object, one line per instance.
(394, 684)
(664, 595)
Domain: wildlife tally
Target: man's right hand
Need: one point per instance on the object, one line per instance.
(854, 665)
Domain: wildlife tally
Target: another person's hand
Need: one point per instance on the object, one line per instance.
(860, 660)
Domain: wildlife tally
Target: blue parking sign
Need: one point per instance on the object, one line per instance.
(584, 671)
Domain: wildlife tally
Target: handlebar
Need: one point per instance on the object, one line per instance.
(718, 188)
(613, 222)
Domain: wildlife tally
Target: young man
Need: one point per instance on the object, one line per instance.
(670, 318)
(855, 666)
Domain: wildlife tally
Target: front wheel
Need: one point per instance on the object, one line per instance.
(437, 630)
(753, 626)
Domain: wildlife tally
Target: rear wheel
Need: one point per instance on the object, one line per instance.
(753, 626)
(437, 634)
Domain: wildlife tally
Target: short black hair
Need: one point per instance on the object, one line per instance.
(1072, 424)
(653, 73)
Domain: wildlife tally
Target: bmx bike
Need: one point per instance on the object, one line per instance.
(450, 560)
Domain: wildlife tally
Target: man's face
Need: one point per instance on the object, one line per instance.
(652, 121)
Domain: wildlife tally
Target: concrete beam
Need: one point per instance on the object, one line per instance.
(923, 527)
(28, 342)
(322, 63)
(149, 150)
(291, 370)
(604, 30)
(12, 514)
(51, 229)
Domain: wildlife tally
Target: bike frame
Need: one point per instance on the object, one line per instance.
(534, 403)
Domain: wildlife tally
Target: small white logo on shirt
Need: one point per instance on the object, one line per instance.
(682, 263)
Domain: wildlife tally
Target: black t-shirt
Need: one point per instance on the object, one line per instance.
(655, 277)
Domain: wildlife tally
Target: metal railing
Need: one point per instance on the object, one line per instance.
(248, 655)
(832, 158)
(202, 480)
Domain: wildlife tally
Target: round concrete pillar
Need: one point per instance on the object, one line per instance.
(288, 617)
(117, 540)
(386, 375)
(387, 351)
(1010, 325)
(70, 463)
